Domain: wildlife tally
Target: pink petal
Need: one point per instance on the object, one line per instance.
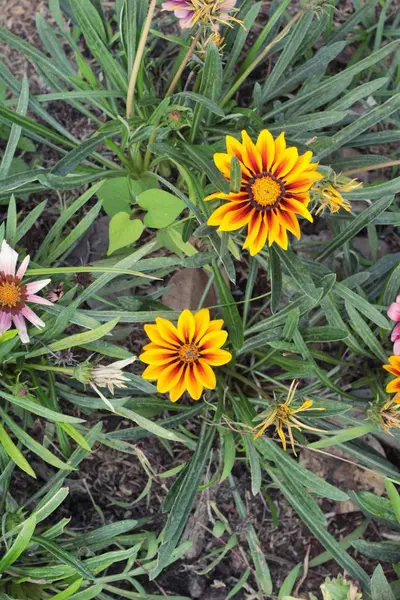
(182, 13)
(23, 267)
(395, 333)
(32, 317)
(36, 286)
(173, 4)
(396, 347)
(21, 326)
(8, 259)
(5, 322)
(398, 298)
(38, 300)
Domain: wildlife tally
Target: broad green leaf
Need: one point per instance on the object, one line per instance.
(123, 231)
(162, 208)
(229, 454)
(364, 331)
(118, 193)
(379, 551)
(367, 309)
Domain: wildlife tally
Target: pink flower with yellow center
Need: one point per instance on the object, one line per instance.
(14, 295)
(190, 12)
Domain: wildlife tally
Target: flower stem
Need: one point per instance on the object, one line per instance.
(391, 163)
(183, 64)
(35, 367)
(130, 108)
(260, 58)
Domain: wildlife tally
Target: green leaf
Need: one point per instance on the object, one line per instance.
(210, 86)
(362, 220)
(79, 339)
(15, 134)
(75, 435)
(289, 581)
(84, 14)
(394, 498)
(190, 479)
(230, 310)
(376, 506)
(344, 436)
(20, 544)
(64, 557)
(123, 231)
(29, 404)
(367, 309)
(118, 193)
(14, 453)
(162, 208)
(33, 445)
(382, 551)
(380, 588)
(229, 454)
(365, 332)
(292, 44)
(275, 271)
(71, 589)
(362, 124)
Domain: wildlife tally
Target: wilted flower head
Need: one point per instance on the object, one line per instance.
(283, 415)
(105, 376)
(387, 414)
(14, 295)
(207, 12)
(328, 192)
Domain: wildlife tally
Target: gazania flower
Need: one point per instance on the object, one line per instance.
(387, 415)
(329, 193)
(208, 12)
(283, 415)
(393, 313)
(181, 357)
(14, 295)
(104, 376)
(394, 368)
(275, 183)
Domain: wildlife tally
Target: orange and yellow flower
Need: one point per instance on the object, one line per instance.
(394, 368)
(387, 415)
(274, 189)
(180, 357)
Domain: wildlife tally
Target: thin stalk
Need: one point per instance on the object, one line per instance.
(130, 108)
(35, 367)
(183, 64)
(391, 163)
(260, 58)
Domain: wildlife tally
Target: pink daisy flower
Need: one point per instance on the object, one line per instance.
(393, 313)
(14, 295)
(189, 12)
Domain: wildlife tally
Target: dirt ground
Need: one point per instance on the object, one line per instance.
(111, 481)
